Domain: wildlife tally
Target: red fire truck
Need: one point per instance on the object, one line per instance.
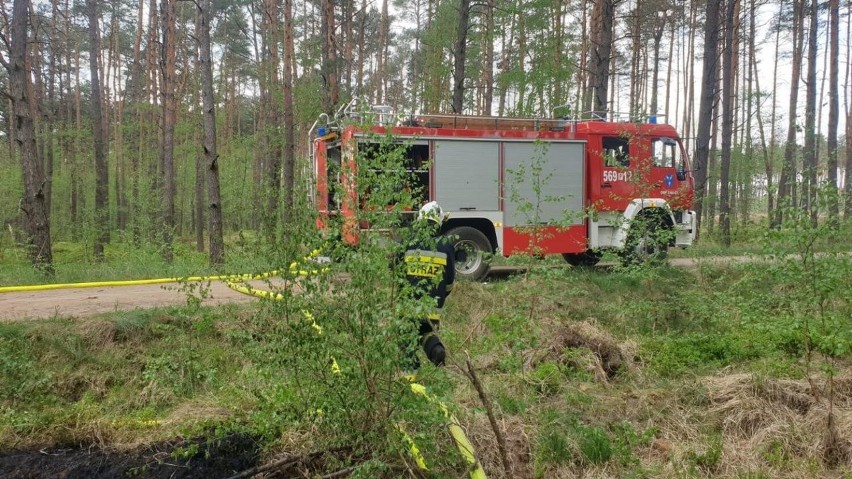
(593, 185)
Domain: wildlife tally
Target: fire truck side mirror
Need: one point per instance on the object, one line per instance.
(681, 172)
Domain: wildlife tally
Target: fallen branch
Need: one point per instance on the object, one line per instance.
(340, 473)
(284, 463)
(501, 443)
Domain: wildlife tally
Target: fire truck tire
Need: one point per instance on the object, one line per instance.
(472, 252)
(646, 244)
(587, 259)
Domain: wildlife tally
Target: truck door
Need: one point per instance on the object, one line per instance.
(612, 162)
(668, 170)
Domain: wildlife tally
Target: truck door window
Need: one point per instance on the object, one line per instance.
(332, 173)
(616, 152)
(666, 152)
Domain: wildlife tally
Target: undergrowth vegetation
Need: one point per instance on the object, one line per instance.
(717, 371)
(737, 369)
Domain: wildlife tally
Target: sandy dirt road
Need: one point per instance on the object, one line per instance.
(82, 302)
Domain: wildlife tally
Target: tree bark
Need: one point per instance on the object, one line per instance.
(658, 36)
(765, 148)
(272, 140)
(689, 84)
(101, 168)
(329, 64)
(381, 55)
(460, 55)
(635, 58)
(208, 112)
(809, 191)
(600, 54)
(362, 16)
(728, 79)
(167, 164)
(707, 107)
(833, 109)
(488, 61)
(289, 117)
(786, 183)
(50, 108)
(36, 217)
(847, 177)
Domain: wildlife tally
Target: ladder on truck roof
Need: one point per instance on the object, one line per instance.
(359, 110)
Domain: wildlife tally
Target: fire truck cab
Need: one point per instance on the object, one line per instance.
(522, 186)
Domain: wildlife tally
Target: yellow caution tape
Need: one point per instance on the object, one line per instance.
(456, 432)
(413, 449)
(294, 268)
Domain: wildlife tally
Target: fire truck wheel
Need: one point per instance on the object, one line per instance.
(646, 244)
(472, 251)
(589, 258)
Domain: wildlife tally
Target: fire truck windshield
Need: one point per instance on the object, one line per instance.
(666, 153)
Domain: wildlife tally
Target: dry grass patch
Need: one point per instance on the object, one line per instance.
(517, 443)
(98, 334)
(782, 420)
(597, 352)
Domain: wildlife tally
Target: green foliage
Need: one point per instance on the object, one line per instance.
(553, 446)
(546, 378)
(699, 352)
(708, 458)
(19, 370)
(810, 300)
(565, 440)
(540, 89)
(594, 443)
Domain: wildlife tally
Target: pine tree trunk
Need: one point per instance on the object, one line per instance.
(120, 168)
(635, 58)
(767, 156)
(460, 55)
(36, 217)
(786, 183)
(101, 168)
(582, 73)
(208, 112)
(261, 146)
(77, 197)
(167, 164)
(361, 32)
(289, 117)
(379, 80)
(706, 108)
(655, 81)
(847, 177)
(49, 109)
(600, 55)
(712, 204)
(329, 64)
(671, 62)
(809, 190)
(272, 172)
(348, 39)
(152, 117)
(727, 122)
(488, 61)
(833, 109)
(689, 86)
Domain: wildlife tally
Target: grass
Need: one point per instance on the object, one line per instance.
(624, 373)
